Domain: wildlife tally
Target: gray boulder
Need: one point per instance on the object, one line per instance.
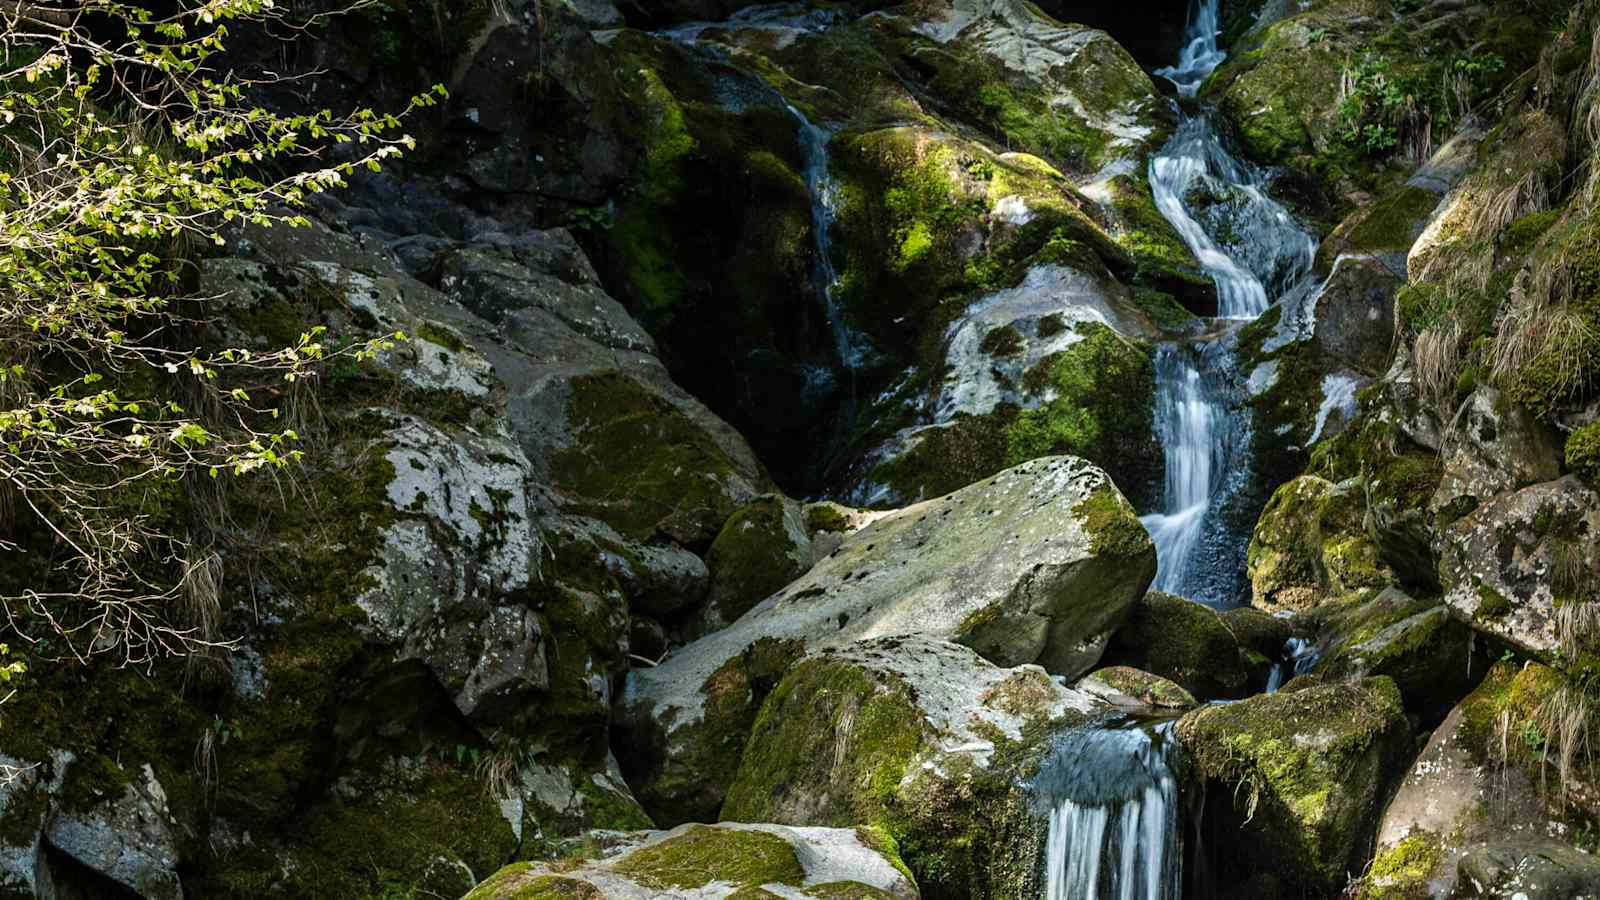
(1520, 566)
(128, 839)
(1039, 564)
(1492, 446)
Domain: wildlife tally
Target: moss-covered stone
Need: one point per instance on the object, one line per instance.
(762, 547)
(1310, 545)
(1144, 689)
(1301, 775)
(700, 856)
(1190, 644)
(1583, 453)
(679, 489)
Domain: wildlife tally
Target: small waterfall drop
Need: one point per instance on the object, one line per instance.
(1112, 800)
(824, 191)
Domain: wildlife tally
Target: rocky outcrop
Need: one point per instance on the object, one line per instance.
(701, 861)
(1522, 566)
(1039, 564)
(1298, 779)
(923, 738)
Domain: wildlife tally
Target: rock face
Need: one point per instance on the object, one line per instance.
(924, 738)
(1297, 779)
(1039, 564)
(1521, 566)
(1467, 821)
(699, 861)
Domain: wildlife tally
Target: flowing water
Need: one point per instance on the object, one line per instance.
(1111, 796)
(1205, 191)
(847, 345)
(1114, 828)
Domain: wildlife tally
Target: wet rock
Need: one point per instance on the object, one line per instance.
(716, 861)
(1039, 564)
(1521, 567)
(1355, 315)
(1297, 779)
(922, 737)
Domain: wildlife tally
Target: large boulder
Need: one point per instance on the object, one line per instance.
(716, 861)
(762, 547)
(1194, 646)
(1522, 567)
(1485, 810)
(1432, 657)
(1297, 780)
(922, 737)
(1038, 564)
(1310, 546)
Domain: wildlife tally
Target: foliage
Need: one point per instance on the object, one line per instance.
(1383, 106)
(125, 149)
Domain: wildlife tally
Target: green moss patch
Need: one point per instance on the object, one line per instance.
(702, 855)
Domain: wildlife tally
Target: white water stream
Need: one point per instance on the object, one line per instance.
(1113, 822)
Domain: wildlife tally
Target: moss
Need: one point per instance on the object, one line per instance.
(1583, 453)
(847, 890)
(1392, 223)
(946, 458)
(518, 882)
(1152, 690)
(1491, 605)
(1113, 526)
(702, 855)
(752, 557)
(792, 746)
(676, 489)
(1003, 341)
(1101, 403)
(1305, 806)
(1402, 871)
(826, 517)
(438, 334)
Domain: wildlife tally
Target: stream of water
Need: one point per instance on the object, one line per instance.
(1113, 805)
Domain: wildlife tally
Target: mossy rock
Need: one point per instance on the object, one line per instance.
(1310, 546)
(729, 860)
(1430, 656)
(1190, 644)
(1301, 775)
(1129, 687)
(683, 487)
(762, 547)
(923, 739)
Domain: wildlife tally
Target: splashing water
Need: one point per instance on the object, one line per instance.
(1200, 55)
(1113, 810)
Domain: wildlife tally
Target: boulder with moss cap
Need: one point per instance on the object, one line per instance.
(1038, 564)
(1300, 775)
(923, 738)
(716, 861)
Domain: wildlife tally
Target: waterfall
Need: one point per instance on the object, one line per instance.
(1112, 802)
(847, 345)
(1205, 191)
(1300, 656)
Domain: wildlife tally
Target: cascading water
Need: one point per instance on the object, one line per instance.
(1112, 802)
(1198, 186)
(814, 139)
